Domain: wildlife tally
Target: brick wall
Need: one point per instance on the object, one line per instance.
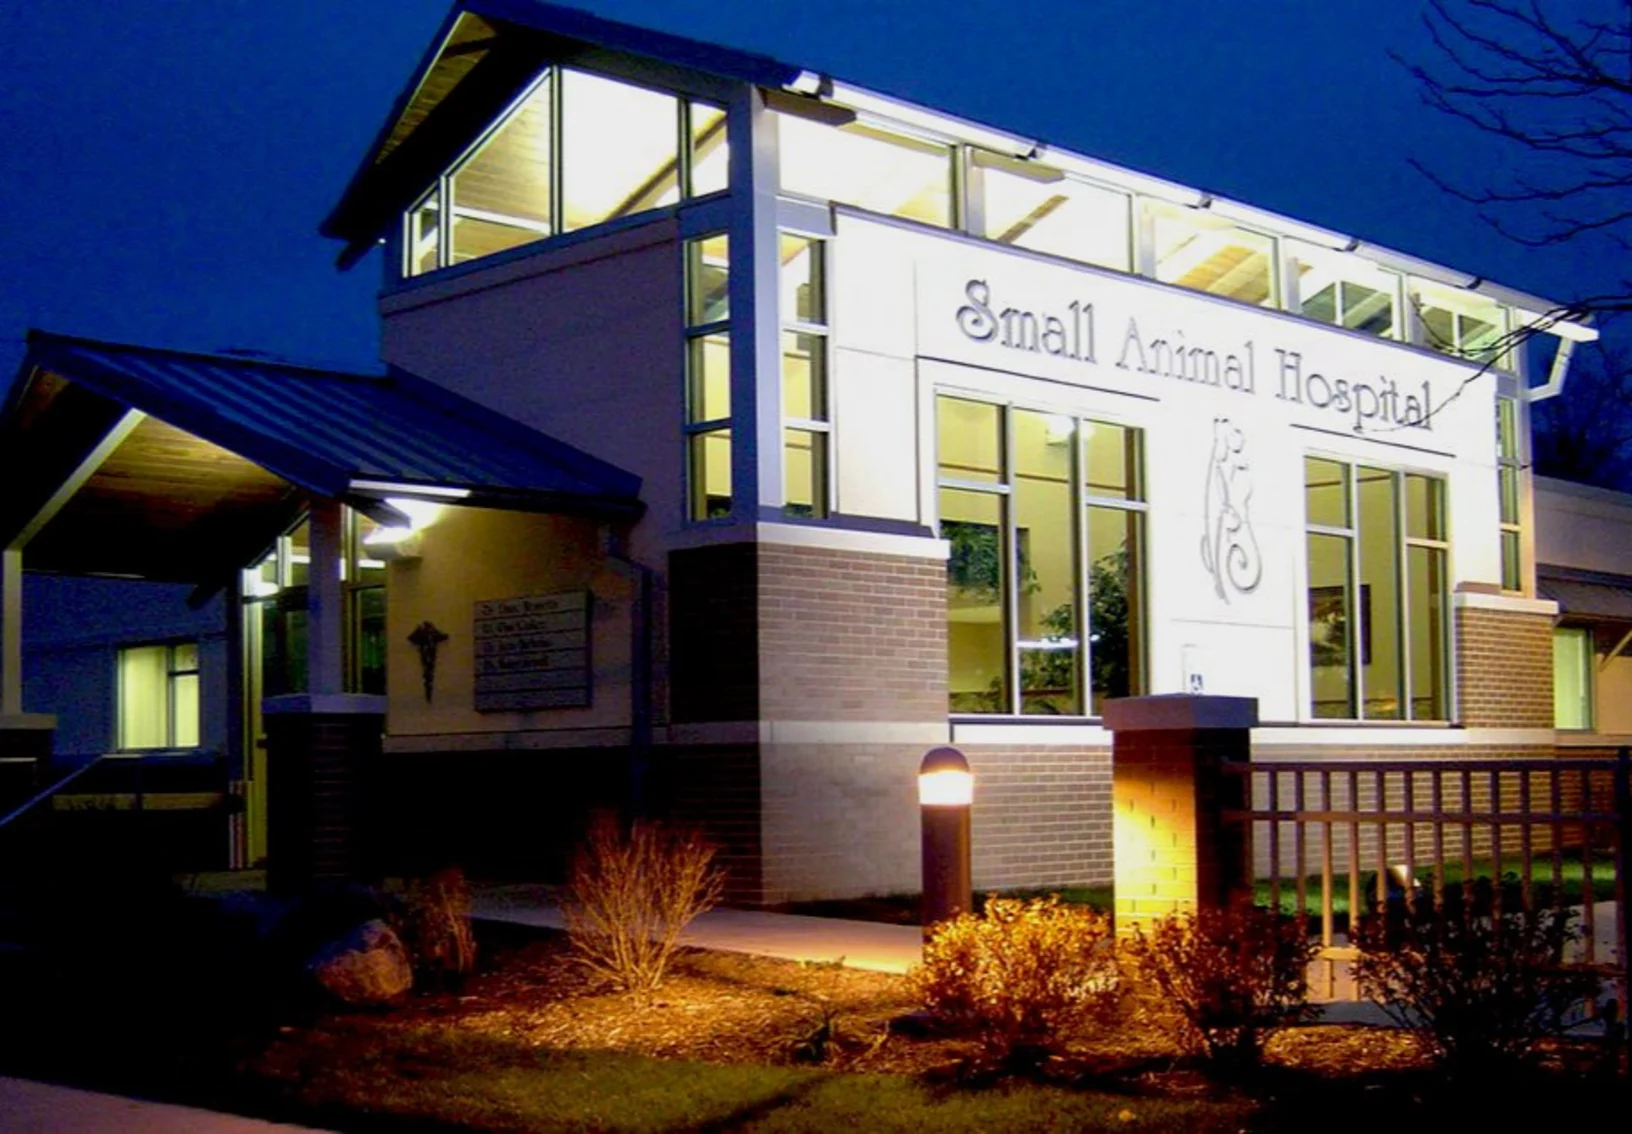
(846, 636)
(716, 791)
(317, 764)
(1504, 668)
(1042, 816)
(713, 634)
(840, 820)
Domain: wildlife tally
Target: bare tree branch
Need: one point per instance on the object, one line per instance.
(1552, 84)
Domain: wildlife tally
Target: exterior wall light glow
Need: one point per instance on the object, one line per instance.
(946, 790)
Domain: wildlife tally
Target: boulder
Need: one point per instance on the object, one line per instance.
(367, 968)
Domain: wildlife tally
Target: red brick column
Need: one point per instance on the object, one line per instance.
(320, 751)
(1172, 848)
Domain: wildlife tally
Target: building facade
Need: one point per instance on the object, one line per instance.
(943, 434)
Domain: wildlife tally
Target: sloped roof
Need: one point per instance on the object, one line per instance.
(1586, 594)
(325, 431)
(484, 55)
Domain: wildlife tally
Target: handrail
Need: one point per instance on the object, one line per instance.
(28, 806)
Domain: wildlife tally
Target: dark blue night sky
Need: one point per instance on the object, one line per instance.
(166, 164)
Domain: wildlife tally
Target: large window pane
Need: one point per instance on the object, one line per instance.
(1032, 206)
(1424, 507)
(708, 280)
(1346, 291)
(1426, 625)
(976, 582)
(1114, 463)
(804, 377)
(184, 711)
(424, 234)
(619, 155)
(1462, 323)
(804, 298)
(805, 472)
(1379, 598)
(970, 436)
(1330, 619)
(710, 150)
(144, 698)
(1210, 254)
(1116, 630)
(1326, 492)
(711, 474)
(1572, 677)
(866, 167)
(1045, 564)
(501, 194)
(710, 375)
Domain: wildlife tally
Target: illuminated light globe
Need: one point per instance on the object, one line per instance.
(944, 779)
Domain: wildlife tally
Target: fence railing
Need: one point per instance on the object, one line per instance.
(1333, 840)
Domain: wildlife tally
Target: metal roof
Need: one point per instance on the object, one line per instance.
(1586, 594)
(325, 430)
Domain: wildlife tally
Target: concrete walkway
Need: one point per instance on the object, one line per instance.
(27, 1107)
(859, 944)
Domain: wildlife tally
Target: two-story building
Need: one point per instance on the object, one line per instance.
(889, 429)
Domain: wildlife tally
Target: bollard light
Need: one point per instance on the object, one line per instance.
(946, 791)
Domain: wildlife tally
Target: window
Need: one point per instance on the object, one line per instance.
(574, 150)
(805, 416)
(1045, 517)
(1507, 486)
(1346, 291)
(1208, 253)
(708, 377)
(1377, 546)
(158, 696)
(1573, 659)
(1032, 206)
(1462, 323)
(867, 167)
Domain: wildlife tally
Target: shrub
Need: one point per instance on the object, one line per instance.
(632, 891)
(1021, 976)
(1232, 976)
(435, 926)
(1479, 991)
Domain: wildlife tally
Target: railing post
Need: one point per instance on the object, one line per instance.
(1623, 835)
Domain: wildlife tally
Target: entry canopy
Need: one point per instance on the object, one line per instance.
(1588, 595)
(165, 465)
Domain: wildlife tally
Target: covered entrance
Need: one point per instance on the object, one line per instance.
(287, 489)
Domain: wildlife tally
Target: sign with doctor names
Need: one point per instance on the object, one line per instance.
(532, 653)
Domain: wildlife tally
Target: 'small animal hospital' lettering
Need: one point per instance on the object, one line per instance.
(1070, 334)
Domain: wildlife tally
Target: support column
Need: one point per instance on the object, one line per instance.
(25, 738)
(321, 751)
(322, 745)
(1173, 851)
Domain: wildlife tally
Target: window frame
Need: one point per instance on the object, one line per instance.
(550, 76)
(820, 428)
(1353, 533)
(171, 675)
(1081, 501)
(695, 431)
(1510, 469)
(1589, 677)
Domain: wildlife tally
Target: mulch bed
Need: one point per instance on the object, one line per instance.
(728, 1008)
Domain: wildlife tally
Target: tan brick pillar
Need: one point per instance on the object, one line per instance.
(1172, 848)
(320, 751)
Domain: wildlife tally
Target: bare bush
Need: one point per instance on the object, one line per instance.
(1021, 976)
(633, 890)
(435, 925)
(1479, 991)
(1233, 976)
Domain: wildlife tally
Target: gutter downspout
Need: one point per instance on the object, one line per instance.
(1554, 385)
(641, 706)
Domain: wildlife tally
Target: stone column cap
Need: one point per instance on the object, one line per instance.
(27, 722)
(1172, 712)
(325, 704)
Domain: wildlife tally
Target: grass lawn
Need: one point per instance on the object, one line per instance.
(433, 1074)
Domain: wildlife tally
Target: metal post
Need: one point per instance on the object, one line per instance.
(1623, 833)
(945, 798)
